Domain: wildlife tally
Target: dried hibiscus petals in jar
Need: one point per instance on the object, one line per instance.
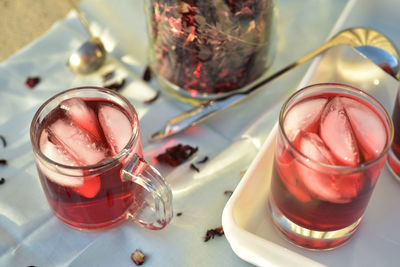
(206, 48)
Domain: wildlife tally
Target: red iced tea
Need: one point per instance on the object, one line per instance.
(394, 154)
(327, 162)
(83, 132)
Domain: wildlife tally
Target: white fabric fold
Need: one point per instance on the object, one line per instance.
(31, 235)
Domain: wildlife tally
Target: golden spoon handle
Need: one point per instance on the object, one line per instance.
(81, 17)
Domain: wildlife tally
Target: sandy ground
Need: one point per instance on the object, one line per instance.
(22, 21)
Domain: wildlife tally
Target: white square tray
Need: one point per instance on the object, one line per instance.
(246, 217)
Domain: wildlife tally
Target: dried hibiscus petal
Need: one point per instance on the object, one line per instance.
(117, 85)
(194, 167)
(210, 234)
(204, 160)
(177, 154)
(3, 139)
(2, 180)
(31, 82)
(108, 76)
(147, 74)
(154, 98)
(228, 193)
(138, 257)
(219, 231)
(3, 162)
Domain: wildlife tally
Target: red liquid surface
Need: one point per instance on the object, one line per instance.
(337, 131)
(101, 199)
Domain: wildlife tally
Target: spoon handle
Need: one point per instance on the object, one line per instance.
(197, 114)
(352, 37)
(81, 17)
(193, 116)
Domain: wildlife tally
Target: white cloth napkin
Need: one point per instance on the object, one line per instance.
(31, 235)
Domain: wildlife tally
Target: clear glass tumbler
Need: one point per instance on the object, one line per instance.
(331, 145)
(394, 152)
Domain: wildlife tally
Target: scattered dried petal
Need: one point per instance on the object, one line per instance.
(31, 82)
(194, 167)
(219, 231)
(154, 98)
(228, 193)
(138, 257)
(210, 234)
(108, 76)
(147, 74)
(179, 214)
(116, 86)
(2, 180)
(203, 160)
(177, 154)
(3, 139)
(3, 162)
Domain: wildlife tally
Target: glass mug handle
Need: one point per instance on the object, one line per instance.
(155, 208)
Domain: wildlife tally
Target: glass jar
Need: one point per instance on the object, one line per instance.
(210, 48)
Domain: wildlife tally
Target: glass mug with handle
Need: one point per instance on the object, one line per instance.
(88, 152)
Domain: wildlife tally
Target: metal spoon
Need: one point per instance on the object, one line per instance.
(369, 43)
(91, 55)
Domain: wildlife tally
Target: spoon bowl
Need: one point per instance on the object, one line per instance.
(372, 45)
(89, 57)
